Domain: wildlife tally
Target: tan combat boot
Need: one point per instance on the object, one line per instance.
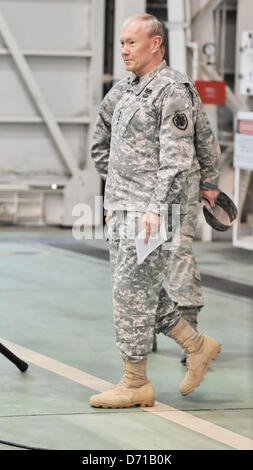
(192, 319)
(200, 350)
(133, 389)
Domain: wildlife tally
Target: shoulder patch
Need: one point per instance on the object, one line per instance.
(180, 121)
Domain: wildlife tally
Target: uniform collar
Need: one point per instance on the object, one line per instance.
(137, 84)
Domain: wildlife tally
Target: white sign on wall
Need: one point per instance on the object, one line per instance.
(243, 152)
(246, 63)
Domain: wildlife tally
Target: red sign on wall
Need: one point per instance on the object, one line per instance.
(211, 92)
(245, 127)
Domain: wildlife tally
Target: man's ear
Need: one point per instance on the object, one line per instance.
(157, 42)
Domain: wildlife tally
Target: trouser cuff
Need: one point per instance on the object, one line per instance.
(186, 310)
(167, 324)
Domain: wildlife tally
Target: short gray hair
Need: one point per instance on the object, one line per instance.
(153, 26)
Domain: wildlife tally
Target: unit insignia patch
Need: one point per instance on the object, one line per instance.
(180, 121)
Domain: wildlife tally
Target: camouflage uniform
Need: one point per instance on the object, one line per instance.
(144, 146)
(184, 281)
(141, 305)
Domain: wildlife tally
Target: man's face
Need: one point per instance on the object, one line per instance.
(136, 47)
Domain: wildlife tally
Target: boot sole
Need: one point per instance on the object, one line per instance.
(104, 405)
(120, 397)
(213, 357)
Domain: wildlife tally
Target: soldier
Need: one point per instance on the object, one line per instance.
(144, 147)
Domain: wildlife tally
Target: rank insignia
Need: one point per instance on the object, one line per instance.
(180, 121)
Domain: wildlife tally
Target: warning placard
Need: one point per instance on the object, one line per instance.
(243, 152)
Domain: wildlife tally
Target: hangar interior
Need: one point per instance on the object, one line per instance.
(58, 58)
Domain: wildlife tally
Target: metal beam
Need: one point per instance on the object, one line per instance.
(82, 53)
(210, 5)
(232, 101)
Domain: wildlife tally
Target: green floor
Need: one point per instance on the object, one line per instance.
(58, 303)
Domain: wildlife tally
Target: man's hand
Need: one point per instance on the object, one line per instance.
(151, 224)
(108, 217)
(210, 195)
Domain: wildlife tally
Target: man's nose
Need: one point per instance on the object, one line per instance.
(124, 50)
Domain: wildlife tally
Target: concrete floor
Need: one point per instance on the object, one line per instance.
(57, 302)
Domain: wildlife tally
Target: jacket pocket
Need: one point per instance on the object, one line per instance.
(128, 116)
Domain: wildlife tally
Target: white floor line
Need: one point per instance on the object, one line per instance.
(206, 428)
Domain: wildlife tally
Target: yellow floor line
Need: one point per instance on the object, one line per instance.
(206, 428)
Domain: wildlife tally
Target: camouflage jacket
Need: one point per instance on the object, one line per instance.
(149, 134)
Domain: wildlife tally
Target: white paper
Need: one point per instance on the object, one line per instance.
(144, 249)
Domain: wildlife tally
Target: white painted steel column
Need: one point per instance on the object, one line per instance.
(123, 9)
(191, 44)
(176, 28)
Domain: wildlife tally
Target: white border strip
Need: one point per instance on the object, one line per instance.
(206, 428)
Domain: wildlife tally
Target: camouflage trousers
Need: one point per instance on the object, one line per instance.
(141, 305)
(184, 281)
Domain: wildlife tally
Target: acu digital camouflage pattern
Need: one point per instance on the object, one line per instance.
(138, 148)
(184, 281)
(141, 305)
(151, 137)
